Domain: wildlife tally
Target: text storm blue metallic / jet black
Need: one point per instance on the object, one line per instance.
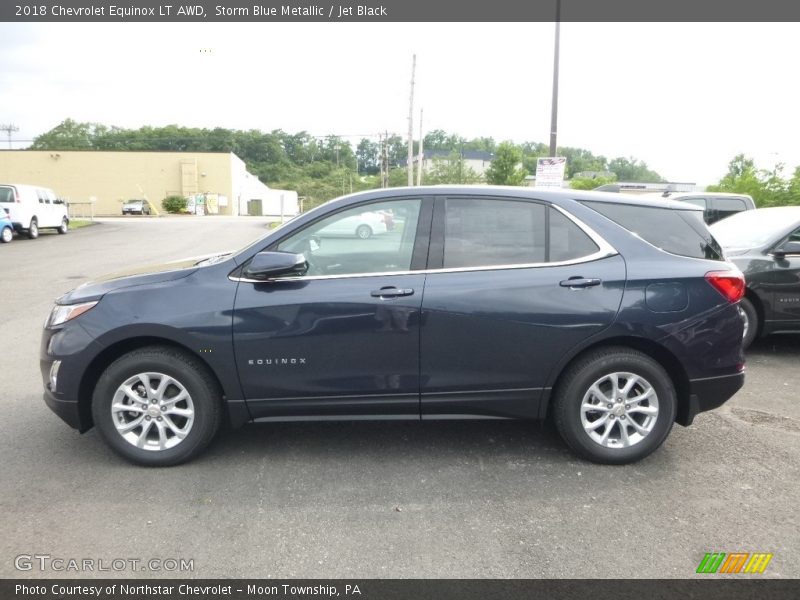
(617, 316)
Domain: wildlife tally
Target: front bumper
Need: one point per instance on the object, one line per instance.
(75, 349)
(68, 410)
(708, 394)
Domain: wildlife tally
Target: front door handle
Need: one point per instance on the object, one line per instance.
(580, 282)
(391, 292)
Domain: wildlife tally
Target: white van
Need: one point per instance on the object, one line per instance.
(32, 208)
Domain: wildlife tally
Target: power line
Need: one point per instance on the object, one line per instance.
(9, 129)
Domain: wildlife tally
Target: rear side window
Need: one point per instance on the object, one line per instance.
(481, 233)
(680, 232)
(729, 206)
(6, 194)
(498, 232)
(567, 240)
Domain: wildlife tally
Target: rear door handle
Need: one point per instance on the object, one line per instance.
(391, 292)
(580, 282)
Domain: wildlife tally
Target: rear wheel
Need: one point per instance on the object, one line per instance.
(64, 227)
(364, 232)
(750, 317)
(7, 236)
(615, 406)
(157, 406)
(33, 229)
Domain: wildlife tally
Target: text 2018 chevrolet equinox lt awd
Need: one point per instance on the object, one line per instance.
(617, 316)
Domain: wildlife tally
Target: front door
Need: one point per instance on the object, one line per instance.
(785, 288)
(342, 339)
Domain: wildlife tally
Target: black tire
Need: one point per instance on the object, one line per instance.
(576, 382)
(6, 235)
(751, 323)
(64, 227)
(33, 229)
(189, 373)
(364, 232)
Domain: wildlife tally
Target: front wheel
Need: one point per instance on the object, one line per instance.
(364, 232)
(7, 236)
(33, 229)
(64, 227)
(157, 406)
(615, 406)
(750, 318)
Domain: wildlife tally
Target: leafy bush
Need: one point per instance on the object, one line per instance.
(174, 204)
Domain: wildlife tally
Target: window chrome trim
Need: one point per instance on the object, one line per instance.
(605, 250)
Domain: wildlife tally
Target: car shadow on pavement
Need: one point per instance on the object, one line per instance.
(781, 345)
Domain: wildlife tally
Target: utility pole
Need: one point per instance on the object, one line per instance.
(421, 151)
(411, 123)
(554, 106)
(385, 161)
(9, 129)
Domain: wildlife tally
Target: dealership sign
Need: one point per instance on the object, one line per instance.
(550, 171)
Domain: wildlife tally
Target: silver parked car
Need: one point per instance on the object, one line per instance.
(136, 207)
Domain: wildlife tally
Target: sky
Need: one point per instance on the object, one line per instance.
(683, 97)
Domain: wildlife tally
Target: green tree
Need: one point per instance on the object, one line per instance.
(506, 167)
(589, 183)
(450, 169)
(631, 169)
(68, 135)
(768, 188)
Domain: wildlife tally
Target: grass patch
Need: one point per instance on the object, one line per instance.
(78, 223)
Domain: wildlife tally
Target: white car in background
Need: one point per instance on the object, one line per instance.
(32, 208)
(362, 226)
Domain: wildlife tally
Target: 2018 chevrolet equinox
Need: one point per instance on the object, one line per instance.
(618, 316)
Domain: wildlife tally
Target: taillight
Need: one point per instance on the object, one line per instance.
(728, 283)
(16, 196)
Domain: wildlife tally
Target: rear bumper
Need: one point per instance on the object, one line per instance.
(708, 394)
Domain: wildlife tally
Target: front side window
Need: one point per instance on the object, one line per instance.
(369, 238)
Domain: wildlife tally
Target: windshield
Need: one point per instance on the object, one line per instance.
(755, 228)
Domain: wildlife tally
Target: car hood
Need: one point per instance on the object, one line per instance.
(146, 275)
(735, 251)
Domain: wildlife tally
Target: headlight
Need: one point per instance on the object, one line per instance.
(62, 313)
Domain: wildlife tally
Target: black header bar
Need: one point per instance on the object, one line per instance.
(266, 11)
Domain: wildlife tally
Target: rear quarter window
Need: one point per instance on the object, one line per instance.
(680, 232)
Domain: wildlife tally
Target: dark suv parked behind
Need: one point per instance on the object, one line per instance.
(616, 315)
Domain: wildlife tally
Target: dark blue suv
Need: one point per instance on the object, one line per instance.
(617, 316)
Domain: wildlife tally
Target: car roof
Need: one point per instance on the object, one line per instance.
(555, 196)
(707, 194)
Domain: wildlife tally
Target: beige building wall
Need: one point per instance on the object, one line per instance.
(110, 178)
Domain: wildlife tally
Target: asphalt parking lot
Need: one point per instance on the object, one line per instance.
(351, 500)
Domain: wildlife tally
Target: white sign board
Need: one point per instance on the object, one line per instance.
(550, 171)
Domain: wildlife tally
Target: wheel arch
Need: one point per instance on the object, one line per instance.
(111, 353)
(657, 352)
(758, 304)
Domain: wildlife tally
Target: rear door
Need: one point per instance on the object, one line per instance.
(515, 284)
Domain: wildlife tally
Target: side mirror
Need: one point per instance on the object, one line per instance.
(787, 248)
(265, 265)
